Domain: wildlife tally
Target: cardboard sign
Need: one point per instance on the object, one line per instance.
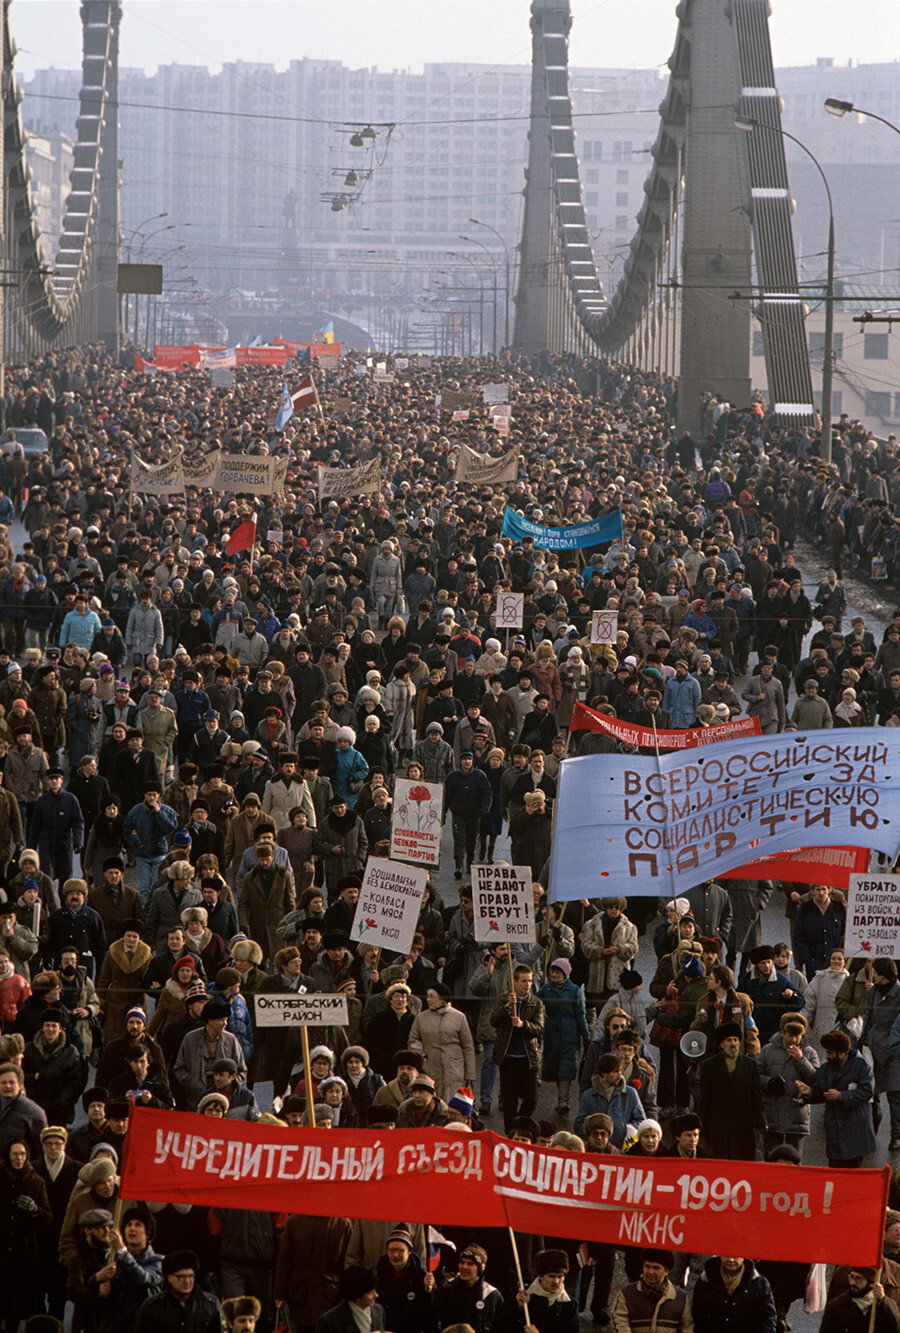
(604, 625)
(510, 608)
(495, 393)
(389, 903)
(873, 916)
(504, 904)
(416, 822)
(300, 1011)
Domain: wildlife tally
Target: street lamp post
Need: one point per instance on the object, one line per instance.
(835, 107)
(492, 260)
(476, 222)
(748, 123)
(454, 254)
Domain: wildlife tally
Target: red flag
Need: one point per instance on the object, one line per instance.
(243, 538)
(304, 396)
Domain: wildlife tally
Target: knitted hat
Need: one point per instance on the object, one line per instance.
(649, 1124)
(423, 1081)
(629, 979)
(562, 965)
(463, 1100)
(401, 1233)
(181, 839)
(54, 1132)
(692, 967)
(478, 1255)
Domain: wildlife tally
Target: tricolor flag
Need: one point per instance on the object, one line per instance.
(243, 538)
(328, 332)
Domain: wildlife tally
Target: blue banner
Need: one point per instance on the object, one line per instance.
(647, 827)
(598, 530)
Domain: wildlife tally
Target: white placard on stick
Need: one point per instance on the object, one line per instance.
(873, 916)
(390, 900)
(495, 393)
(504, 904)
(289, 1010)
(604, 625)
(510, 608)
(416, 821)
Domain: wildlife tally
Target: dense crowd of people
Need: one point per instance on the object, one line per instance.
(198, 748)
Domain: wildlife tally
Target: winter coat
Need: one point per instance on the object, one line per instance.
(259, 911)
(160, 731)
(83, 930)
(281, 797)
(621, 1104)
(882, 1010)
(565, 1028)
(748, 1309)
(784, 1114)
(772, 996)
(11, 832)
(54, 1076)
(604, 973)
(443, 1035)
(738, 1008)
(637, 1309)
(120, 986)
(383, 1035)
(57, 828)
(298, 843)
(164, 1314)
(22, 1119)
(350, 768)
(399, 704)
(748, 898)
(712, 910)
(680, 700)
(112, 914)
(240, 836)
(79, 993)
(731, 1107)
(147, 831)
(144, 630)
(816, 934)
(820, 1008)
(164, 911)
(21, 1236)
(491, 989)
(848, 1123)
(21, 946)
(407, 1305)
(386, 579)
(25, 774)
(531, 1012)
(530, 836)
(309, 1267)
(192, 1063)
(353, 844)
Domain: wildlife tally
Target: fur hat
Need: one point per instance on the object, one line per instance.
(598, 1120)
(194, 914)
(180, 1259)
(213, 1099)
(550, 1261)
(180, 870)
(682, 1124)
(286, 955)
(795, 1024)
(356, 1281)
(408, 1058)
(345, 734)
(728, 1030)
(359, 1051)
(321, 1053)
(761, 953)
(239, 1306)
(836, 1041)
(246, 951)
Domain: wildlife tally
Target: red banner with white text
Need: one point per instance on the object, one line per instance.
(587, 719)
(437, 1176)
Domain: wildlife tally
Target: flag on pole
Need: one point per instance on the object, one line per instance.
(243, 538)
(328, 331)
(285, 409)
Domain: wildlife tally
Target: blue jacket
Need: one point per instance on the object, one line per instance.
(623, 1108)
(680, 700)
(56, 819)
(79, 629)
(349, 767)
(815, 935)
(239, 1022)
(565, 1027)
(147, 831)
(848, 1123)
(706, 627)
(191, 705)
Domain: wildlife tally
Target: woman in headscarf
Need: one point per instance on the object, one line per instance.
(24, 1215)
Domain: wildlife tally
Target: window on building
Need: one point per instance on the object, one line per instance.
(817, 346)
(621, 201)
(592, 178)
(621, 177)
(621, 222)
(591, 199)
(878, 404)
(875, 347)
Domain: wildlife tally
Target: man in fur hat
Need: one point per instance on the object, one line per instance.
(654, 1300)
(201, 1049)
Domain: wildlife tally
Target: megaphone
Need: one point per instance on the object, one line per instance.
(693, 1045)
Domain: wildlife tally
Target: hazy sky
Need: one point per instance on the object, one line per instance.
(399, 34)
